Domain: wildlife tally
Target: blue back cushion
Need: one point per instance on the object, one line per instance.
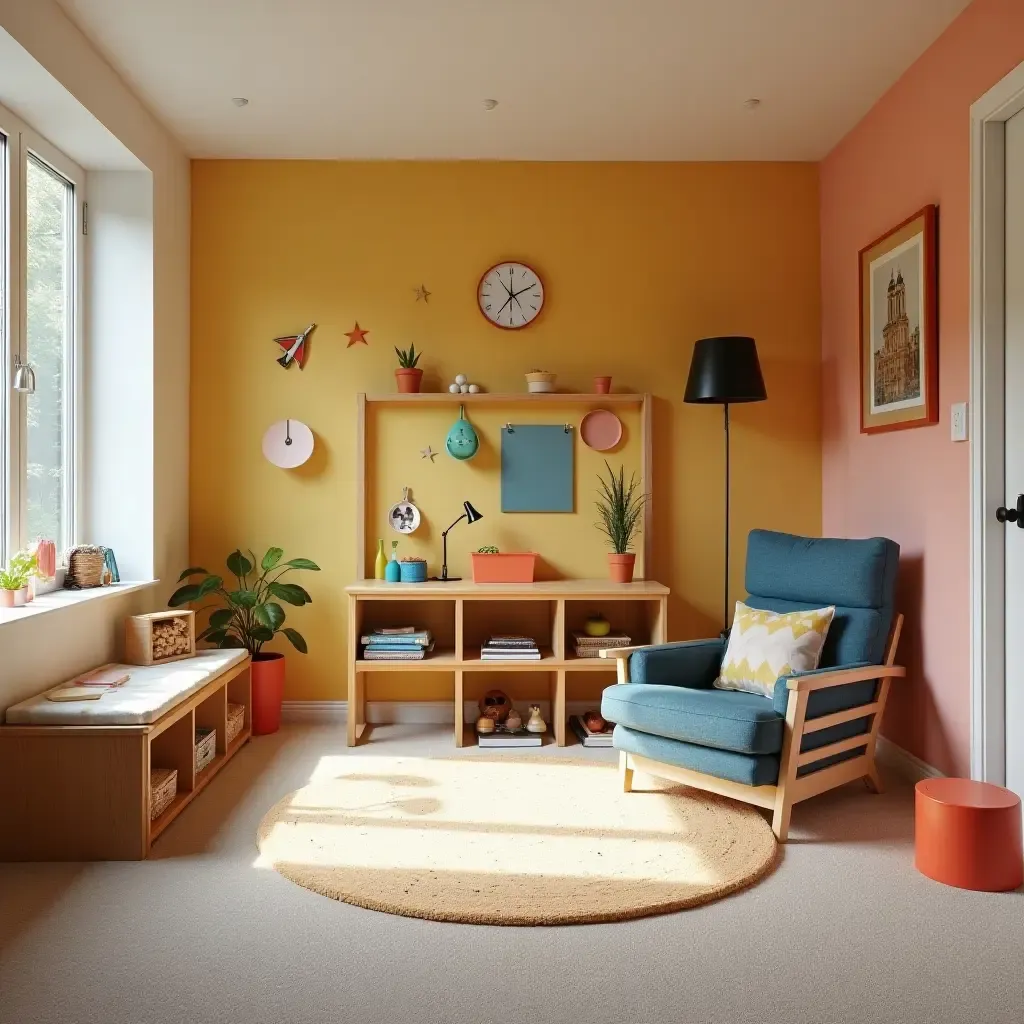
(787, 573)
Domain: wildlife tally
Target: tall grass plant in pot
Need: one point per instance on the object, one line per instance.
(249, 615)
(620, 510)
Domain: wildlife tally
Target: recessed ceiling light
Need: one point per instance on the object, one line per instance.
(752, 104)
(239, 101)
(490, 104)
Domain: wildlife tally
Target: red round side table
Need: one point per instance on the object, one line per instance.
(968, 834)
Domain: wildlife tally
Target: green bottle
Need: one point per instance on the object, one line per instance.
(381, 562)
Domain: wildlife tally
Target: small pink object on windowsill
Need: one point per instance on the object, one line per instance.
(46, 559)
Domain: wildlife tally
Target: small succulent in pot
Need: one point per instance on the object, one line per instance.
(408, 374)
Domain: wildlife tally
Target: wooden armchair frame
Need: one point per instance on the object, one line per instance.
(790, 789)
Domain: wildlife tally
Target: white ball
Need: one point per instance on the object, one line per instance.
(453, 389)
(474, 389)
(465, 389)
(460, 379)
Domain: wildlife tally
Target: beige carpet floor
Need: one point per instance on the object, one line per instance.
(511, 840)
(843, 931)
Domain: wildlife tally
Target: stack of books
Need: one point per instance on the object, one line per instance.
(588, 646)
(402, 643)
(510, 648)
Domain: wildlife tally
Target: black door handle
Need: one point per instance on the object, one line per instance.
(1012, 515)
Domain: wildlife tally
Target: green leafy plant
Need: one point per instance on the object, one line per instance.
(487, 549)
(251, 613)
(408, 358)
(22, 566)
(620, 507)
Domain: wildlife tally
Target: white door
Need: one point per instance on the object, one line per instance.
(1014, 485)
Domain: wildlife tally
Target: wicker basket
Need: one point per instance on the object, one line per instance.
(86, 566)
(206, 747)
(163, 785)
(236, 719)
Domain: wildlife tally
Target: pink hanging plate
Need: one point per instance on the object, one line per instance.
(601, 430)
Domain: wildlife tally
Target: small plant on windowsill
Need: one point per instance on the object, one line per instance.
(250, 617)
(408, 374)
(14, 580)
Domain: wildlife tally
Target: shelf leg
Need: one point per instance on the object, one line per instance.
(352, 706)
(558, 707)
(459, 712)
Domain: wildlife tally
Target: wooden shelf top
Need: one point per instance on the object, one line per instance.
(547, 589)
(506, 398)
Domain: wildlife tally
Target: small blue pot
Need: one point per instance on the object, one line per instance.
(413, 572)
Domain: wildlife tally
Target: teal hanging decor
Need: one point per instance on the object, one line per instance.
(462, 442)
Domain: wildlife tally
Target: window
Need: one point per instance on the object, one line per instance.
(41, 197)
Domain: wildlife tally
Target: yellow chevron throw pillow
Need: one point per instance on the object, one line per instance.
(766, 645)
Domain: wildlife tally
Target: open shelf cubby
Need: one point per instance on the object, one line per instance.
(463, 615)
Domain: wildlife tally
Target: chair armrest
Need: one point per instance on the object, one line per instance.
(692, 663)
(820, 678)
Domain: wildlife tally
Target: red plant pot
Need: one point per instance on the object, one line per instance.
(602, 385)
(409, 381)
(621, 567)
(267, 693)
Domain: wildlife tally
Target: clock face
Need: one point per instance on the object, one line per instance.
(510, 295)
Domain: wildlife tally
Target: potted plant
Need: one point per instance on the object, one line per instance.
(249, 616)
(540, 381)
(491, 566)
(15, 578)
(408, 374)
(620, 508)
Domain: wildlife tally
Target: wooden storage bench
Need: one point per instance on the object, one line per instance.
(74, 777)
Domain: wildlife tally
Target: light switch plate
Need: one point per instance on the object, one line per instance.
(958, 421)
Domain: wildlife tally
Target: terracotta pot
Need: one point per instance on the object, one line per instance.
(409, 380)
(267, 693)
(602, 385)
(6, 598)
(621, 567)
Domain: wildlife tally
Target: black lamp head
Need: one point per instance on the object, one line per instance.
(725, 370)
(471, 513)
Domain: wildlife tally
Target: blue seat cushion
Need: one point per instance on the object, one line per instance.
(729, 720)
(747, 769)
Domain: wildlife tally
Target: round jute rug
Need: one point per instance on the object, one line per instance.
(511, 840)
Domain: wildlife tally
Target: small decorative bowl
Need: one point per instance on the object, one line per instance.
(413, 572)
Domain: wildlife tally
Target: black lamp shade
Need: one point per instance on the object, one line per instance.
(471, 513)
(725, 370)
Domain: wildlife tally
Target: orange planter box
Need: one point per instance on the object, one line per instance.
(517, 568)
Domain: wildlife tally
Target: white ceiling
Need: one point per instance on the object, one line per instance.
(575, 79)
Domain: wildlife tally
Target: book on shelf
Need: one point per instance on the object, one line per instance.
(586, 736)
(510, 648)
(590, 646)
(512, 641)
(503, 737)
(396, 654)
(406, 636)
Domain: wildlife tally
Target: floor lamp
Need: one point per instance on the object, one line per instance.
(724, 371)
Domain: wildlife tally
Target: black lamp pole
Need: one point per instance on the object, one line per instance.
(471, 516)
(722, 371)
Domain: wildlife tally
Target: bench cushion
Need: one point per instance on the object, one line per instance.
(150, 693)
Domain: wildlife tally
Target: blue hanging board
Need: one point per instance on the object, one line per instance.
(537, 469)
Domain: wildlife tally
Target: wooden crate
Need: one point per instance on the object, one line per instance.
(139, 637)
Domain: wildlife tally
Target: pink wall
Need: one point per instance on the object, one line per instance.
(913, 148)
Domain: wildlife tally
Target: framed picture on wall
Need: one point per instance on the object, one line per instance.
(899, 345)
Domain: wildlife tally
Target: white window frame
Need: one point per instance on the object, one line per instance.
(22, 142)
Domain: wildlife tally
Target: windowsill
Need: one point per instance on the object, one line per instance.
(59, 599)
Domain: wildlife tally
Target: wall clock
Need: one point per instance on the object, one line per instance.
(510, 295)
(288, 444)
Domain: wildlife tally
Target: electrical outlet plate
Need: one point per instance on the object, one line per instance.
(958, 421)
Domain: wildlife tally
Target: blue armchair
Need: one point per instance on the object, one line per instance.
(820, 729)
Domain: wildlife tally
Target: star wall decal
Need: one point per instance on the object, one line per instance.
(422, 293)
(357, 336)
(428, 453)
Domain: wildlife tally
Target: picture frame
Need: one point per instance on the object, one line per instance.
(899, 345)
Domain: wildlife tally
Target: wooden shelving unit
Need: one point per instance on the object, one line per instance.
(462, 615)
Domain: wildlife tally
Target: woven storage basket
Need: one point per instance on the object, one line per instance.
(236, 719)
(163, 785)
(86, 565)
(206, 747)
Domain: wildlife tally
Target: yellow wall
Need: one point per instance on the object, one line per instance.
(638, 261)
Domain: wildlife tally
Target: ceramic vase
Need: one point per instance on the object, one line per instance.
(393, 571)
(380, 563)
(536, 723)
(602, 385)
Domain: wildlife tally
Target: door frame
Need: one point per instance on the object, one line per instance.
(989, 115)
